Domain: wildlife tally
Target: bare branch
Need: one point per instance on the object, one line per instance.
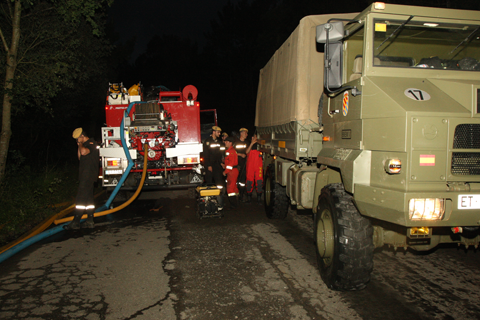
(38, 12)
(4, 41)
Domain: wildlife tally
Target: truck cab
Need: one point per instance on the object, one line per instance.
(408, 106)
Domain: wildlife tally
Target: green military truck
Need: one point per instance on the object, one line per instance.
(372, 121)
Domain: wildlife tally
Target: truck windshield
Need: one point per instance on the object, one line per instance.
(427, 45)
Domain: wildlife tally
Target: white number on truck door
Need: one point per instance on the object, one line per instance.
(417, 94)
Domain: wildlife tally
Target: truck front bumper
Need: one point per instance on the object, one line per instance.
(393, 206)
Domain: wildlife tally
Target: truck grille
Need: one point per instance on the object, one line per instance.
(464, 163)
(467, 136)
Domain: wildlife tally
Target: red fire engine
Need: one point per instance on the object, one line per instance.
(168, 121)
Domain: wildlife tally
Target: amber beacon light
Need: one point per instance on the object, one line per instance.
(393, 166)
(379, 5)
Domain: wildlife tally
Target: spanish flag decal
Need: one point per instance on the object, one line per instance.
(427, 160)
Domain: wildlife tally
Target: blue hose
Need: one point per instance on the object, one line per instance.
(129, 158)
(24, 244)
(47, 233)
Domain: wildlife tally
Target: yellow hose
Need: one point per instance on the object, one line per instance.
(123, 205)
(40, 227)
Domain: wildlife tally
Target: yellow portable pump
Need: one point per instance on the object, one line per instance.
(207, 204)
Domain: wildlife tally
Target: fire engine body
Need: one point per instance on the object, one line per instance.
(170, 125)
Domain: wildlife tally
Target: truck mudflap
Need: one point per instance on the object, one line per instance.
(413, 209)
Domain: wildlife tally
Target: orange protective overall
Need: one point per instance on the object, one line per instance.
(254, 171)
(231, 171)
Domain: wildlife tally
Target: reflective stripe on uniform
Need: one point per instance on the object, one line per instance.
(232, 194)
(79, 207)
(220, 187)
(230, 167)
(227, 153)
(238, 146)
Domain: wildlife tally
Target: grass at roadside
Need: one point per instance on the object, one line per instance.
(28, 197)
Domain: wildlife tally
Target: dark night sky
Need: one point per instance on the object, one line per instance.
(184, 18)
(145, 18)
(191, 19)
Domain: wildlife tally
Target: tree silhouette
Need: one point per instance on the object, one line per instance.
(58, 47)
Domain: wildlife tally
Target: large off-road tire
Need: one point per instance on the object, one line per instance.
(275, 198)
(343, 239)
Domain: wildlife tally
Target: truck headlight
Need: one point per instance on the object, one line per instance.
(426, 209)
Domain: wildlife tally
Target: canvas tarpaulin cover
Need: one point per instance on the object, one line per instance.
(291, 83)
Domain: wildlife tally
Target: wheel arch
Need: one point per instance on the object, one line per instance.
(354, 165)
(324, 177)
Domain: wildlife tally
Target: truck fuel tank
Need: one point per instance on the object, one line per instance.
(301, 185)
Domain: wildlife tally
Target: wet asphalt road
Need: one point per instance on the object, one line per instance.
(157, 260)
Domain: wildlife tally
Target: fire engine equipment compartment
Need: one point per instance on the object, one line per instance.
(169, 124)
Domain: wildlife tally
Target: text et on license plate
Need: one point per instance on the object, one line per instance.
(469, 201)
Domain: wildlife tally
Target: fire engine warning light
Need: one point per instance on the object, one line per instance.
(113, 162)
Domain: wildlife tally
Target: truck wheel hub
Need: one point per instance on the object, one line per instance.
(268, 193)
(325, 236)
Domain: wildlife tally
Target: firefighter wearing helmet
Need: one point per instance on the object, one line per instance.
(88, 173)
(241, 146)
(212, 156)
(231, 171)
(224, 136)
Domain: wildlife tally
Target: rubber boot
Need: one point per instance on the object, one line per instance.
(259, 199)
(220, 202)
(75, 224)
(233, 202)
(89, 223)
(243, 195)
(249, 198)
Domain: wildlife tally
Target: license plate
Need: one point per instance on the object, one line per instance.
(469, 201)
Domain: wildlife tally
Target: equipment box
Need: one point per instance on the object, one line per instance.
(119, 98)
(135, 98)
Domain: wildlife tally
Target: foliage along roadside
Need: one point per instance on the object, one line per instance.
(28, 197)
(61, 46)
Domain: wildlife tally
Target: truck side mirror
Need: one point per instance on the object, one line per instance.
(332, 30)
(334, 71)
(331, 34)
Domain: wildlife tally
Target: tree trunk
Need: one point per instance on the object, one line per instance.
(11, 64)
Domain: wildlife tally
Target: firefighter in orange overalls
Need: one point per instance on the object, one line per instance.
(231, 171)
(254, 171)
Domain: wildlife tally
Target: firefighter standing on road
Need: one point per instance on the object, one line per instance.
(231, 171)
(241, 149)
(88, 173)
(254, 171)
(212, 156)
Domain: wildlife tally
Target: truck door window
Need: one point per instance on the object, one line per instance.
(353, 56)
(430, 45)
